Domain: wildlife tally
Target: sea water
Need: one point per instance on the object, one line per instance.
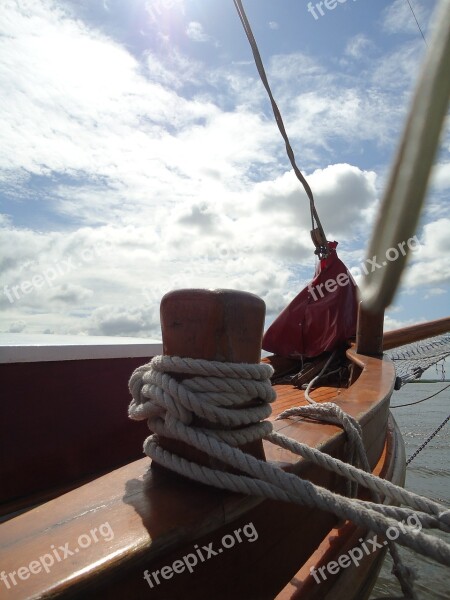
(428, 474)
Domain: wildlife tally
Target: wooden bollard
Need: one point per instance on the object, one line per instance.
(222, 325)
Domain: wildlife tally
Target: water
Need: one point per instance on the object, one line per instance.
(428, 474)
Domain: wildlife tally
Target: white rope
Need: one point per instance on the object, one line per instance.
(169, 406)
(434, 513)
(332, 413)
(314, 379)
(157, 395)
(355, 450)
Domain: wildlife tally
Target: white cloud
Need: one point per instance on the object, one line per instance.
(437, 291)
(160, 11)
(295, 66)
(252, 241)
(342, 194)
(70, 293)
(17, 327)
(175, 70)
(196, 33)
(320, 106)
(397, 70)
(125, 320)
(398, 17)
(274, 25)
(430, 265)
(358, 46)
(107, 120)
(441, 176)
(392, 324)
(158, 170)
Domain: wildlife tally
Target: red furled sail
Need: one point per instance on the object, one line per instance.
(320, 317)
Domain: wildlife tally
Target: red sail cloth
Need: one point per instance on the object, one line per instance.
(320, 317)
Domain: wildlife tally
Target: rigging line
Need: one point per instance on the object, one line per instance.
(277, 114)
(423, 399)
(418, 24)
(436, 431)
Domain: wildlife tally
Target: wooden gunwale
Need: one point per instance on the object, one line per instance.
(351, 582)
(415, 333)
(50, 475)
(156, 514)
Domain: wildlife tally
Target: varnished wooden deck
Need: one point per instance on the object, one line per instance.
(287, 395)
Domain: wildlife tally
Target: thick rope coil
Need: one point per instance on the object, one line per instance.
(156, 394)
(217, 398)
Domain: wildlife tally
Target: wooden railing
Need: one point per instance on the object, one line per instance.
(415, 333)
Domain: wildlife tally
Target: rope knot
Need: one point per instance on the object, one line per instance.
(213, 391)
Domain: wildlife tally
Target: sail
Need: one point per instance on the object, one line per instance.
(322, 316)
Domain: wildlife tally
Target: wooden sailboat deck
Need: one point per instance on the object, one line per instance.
(154, 513)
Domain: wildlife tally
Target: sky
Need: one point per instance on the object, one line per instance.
(139, 154)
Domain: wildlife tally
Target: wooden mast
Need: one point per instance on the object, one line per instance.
(369, 332)
(371, 341)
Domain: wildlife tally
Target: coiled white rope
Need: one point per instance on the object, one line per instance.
(211, 394)
(215, 392)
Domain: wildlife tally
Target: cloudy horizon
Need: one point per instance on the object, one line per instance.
(140, 155)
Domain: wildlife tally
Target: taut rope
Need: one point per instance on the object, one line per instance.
(320, 242)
